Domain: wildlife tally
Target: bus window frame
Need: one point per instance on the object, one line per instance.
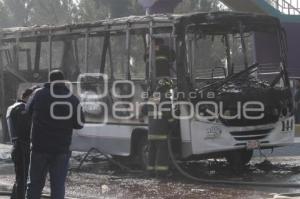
(142, 35)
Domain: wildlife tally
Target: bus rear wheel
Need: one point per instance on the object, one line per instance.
(142, 152)
(4, 136)
(237, 159)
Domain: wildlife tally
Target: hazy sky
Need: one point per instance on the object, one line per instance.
(294, 2)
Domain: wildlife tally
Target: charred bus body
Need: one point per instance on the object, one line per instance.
(226, 104)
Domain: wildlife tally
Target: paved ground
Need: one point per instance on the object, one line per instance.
(293, 150)
(97, 179)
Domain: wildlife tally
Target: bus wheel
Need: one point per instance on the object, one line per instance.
(237, 159)
(4, 137)
(142, 152)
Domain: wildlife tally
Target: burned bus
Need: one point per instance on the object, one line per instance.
(229, 94)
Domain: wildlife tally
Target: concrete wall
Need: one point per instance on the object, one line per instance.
(293, 37)
(266, 50)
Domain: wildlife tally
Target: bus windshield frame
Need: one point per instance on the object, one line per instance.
(236, 37)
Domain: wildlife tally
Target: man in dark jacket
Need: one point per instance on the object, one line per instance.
(19, 126)
(55, 113)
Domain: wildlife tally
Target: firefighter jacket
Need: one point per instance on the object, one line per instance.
(19, 122)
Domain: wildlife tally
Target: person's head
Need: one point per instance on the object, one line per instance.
(26, 94)
(56, 75)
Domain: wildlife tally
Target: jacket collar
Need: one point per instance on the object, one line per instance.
(57, 85)
(20, 101)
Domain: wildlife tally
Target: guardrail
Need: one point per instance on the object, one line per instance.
(289, 7)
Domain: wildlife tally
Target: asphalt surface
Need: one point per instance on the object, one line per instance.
(98, 179)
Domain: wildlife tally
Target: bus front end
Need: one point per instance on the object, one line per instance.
(238, 86)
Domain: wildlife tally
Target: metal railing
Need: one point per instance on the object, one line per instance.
(289, 7)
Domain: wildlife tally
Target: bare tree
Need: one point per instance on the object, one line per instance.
(53, 12)
(18, 11)
(5, 20)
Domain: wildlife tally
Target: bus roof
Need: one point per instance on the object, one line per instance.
(223, 19)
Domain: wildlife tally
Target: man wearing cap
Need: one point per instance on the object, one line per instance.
(55, 113)
(19, 126)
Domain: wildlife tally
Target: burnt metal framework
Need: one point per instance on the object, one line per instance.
(175, 25)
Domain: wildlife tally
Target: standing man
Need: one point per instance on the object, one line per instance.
(19, 126)
(55, 113)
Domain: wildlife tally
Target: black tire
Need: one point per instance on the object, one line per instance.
(139, 156)
(142, 152)
(238, 159)
(4, 137)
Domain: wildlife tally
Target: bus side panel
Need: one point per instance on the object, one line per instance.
(208, 137)
(111, 139)
(185, 130)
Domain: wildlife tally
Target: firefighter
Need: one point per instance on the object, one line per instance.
(159, 122)
(19, 127)
(164, 57)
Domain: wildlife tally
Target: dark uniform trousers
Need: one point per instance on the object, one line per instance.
(159, 124)
(158, 149)
(21, 157)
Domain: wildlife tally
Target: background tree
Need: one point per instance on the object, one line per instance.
(38, 12)
(198, 6)
(91, 10)
(18, 11)
(55, 12)
(5, 19)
